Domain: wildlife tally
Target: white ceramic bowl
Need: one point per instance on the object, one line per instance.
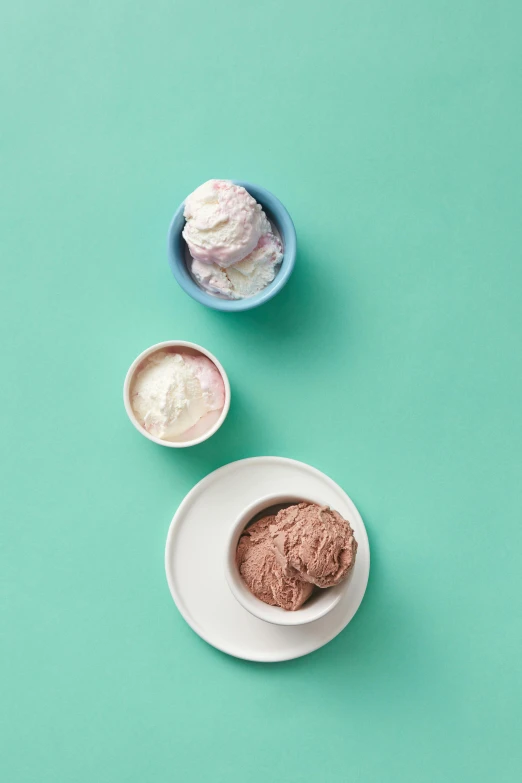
(321, 602)
(207, 426)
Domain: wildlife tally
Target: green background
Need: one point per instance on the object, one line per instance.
(391, 361)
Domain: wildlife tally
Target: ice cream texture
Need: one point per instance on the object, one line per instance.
(246, 278)
(234, 252)
(262, 573)
(224, 223)
(173, 391)
(315, 543)
(283, 557)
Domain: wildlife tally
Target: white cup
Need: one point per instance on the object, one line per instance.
(320, 603)
(207, 426)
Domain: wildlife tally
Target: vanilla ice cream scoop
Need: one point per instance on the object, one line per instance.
(246, 278)
(173, 391)
(223, 223)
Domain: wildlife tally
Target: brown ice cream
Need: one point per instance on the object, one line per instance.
(314, 543)
(282, 557)
(258, 565)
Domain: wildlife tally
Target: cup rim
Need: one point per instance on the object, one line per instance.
(130, 375)
(274, 614)
(284, 224)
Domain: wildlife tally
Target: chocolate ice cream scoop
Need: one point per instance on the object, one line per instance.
(262, 572)
(313, 543)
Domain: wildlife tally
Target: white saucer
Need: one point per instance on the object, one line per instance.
(195, 559)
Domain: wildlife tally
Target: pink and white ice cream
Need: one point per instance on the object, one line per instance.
(234, 250)
(174, 393)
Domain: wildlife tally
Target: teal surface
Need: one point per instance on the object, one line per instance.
(391, 361)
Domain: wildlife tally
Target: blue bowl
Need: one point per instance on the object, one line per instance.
(275, 212)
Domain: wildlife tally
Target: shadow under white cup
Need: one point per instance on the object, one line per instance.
(207, 425)
(322, 600)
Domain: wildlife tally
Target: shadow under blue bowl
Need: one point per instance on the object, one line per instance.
(276, 213)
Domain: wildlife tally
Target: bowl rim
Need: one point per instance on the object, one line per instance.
(285, 226)
(274, 614)
(130, 375)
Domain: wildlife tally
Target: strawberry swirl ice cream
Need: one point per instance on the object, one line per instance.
(234, 251)
(175, 392)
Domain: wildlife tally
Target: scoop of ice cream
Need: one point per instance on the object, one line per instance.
(247, 277)
(173, 391)
(314, 543)
(224, 223)
(262, 573)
